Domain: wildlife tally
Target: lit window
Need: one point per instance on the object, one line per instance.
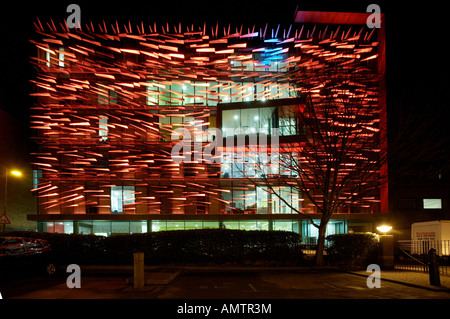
(152, 95)
(188, 93)
(287, 120)
(287, 126)
(157, 94)
(120, 197)
(245, 121)
(103, 128)
(188, 122)
(432, 203)
(47, 58)
(61, 57)
(37, 174)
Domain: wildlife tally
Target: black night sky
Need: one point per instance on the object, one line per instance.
(416, 46)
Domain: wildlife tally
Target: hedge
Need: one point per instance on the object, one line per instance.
(175, 247)
(353, 250)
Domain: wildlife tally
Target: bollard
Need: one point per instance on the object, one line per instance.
(433, 268)
(138, 270)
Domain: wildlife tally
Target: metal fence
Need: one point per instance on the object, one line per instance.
(413, 255)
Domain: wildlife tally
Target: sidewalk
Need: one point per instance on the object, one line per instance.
(410, 278)
(165, 274)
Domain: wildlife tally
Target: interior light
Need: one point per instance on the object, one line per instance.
(256, 118)
(236, 117)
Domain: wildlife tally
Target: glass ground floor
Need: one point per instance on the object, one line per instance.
(305, 228)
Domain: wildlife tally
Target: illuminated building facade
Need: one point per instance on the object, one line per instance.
(110, 96)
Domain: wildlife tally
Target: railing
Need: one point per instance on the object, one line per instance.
(413, 255)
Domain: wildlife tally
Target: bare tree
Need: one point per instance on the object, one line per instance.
(336, 157)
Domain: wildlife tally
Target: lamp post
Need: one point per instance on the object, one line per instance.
(386, 256)
(7, 172)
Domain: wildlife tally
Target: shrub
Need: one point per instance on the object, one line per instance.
(353, 250)
(180, 246)
(207, 246)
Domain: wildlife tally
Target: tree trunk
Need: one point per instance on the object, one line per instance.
(321, 244)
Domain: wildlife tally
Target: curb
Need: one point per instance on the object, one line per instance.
(431, 288)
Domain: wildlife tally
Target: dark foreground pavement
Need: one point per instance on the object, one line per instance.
(230, 283)
(223, 293)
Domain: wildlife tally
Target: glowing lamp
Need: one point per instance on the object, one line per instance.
(16, 173)
(384, 228)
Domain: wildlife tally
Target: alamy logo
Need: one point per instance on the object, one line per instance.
(74, 280)
(190, 146)
(73, 20)
(374, 20)
(374, 279)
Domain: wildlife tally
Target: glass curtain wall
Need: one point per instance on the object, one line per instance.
(261, 200)
(212, 93)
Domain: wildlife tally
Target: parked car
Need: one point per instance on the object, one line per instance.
(18, 254)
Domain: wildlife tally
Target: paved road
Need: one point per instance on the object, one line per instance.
(302, 284)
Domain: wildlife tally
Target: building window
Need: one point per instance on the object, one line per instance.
(47, 58)
(37, 174)
(287, 120)
(432, 203)
(211, 93)
(121, 196)
(170, 123)
(247, 121)
(103, 128)
(107, 98)
(61, 57)
(120, 227)
(263, 201)
(152, 95)
(288, 126)
(260, 120)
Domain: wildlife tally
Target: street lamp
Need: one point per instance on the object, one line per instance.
(7, 172)
(384, 228)
(16, 173)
